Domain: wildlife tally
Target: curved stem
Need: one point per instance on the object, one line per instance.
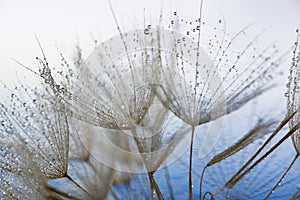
(152, 181)
(190, 165)
(201, 182)
(227, 194)
(208, 193)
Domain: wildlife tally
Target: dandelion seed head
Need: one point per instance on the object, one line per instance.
(34, 123)
(129, 105)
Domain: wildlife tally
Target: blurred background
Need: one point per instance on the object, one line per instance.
(64, 23)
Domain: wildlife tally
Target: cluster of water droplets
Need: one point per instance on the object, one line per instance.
(19, 176)
(141, 91)
(293, 88)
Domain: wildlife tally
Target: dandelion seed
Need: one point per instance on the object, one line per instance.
(114, 94)
(42, 125)
(253, 185)
(261, 129)
(293, 103)
(293, 100)
(248, 166)
(203, 83)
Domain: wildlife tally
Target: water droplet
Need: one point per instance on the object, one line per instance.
(71, 73)
(147, 31)
(3, 123)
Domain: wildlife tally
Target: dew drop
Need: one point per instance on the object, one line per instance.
(146, 31)
(3, 123)
(71, 73)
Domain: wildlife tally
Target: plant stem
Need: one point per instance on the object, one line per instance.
(280, 126)
(227, 194)
(208, 193)
(281, 178)
(201, 181)
(286, 136)
(73, 181)
(114, 194)
(61, 193)
(191, 163)
(154, 186)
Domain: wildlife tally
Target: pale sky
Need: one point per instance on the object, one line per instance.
(59, 23)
